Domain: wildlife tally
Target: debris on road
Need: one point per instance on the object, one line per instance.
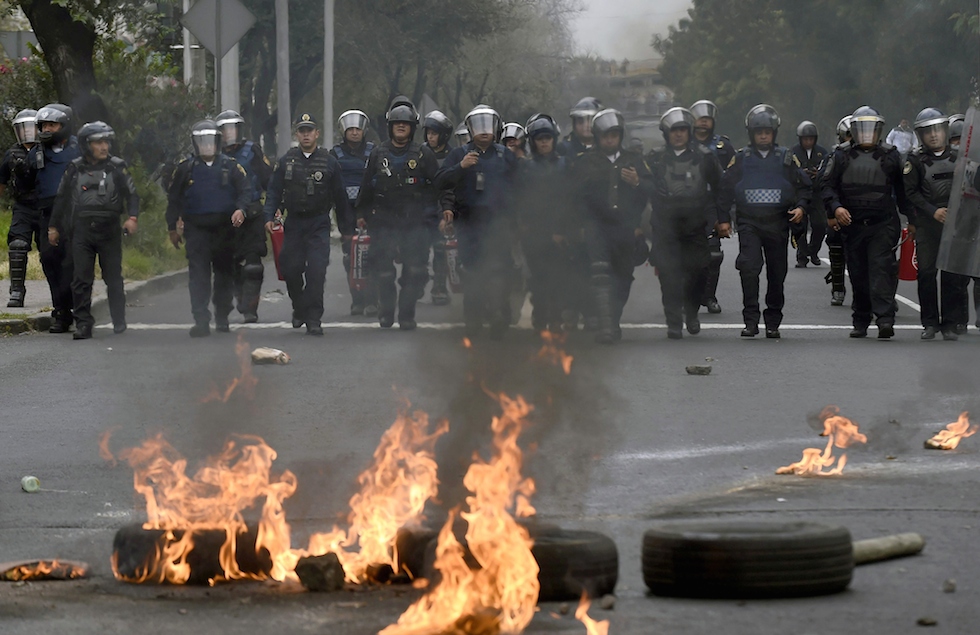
(33, 570)
(608, 602)
(949, 586)
(699, 369)
(887, 547)
(840, 432)
(30, 484)
(926, 621)
(263, 355)
(321, 573)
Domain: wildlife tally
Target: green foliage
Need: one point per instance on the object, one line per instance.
(24, 83)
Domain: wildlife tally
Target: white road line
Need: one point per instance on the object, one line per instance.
(441, 326)
(900, 298)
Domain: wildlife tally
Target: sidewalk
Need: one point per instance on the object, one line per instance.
(36, 313)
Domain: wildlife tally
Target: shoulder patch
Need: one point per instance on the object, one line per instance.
(241, 169)
(796, 161)
(731, 163)
(907, 168)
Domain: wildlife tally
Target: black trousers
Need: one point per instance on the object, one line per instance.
(409, 243)
(816, 221)
(303, 260)
(250, 248)
(945, 309)
(610, 248)
(484, 250)
(97, 237)
(26, 224)
(681, 254)
(763, 242)
(440, 267)
(550, 282)
(58, 269)
(210, 250)
(873, 269)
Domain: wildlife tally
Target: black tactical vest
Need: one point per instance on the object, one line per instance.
(937, 179)
(96, 192)
(864, 183)
(306, 189)
(680, 182)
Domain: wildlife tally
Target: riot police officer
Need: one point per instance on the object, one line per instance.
(861, 185)
(481, 175)
(928, 178)
(580, 138)
(686, 178)
(438, 129)
(462, 135)
(514, 137)
(25, 221)
(395, 199)
(352, 154)
(95, 191)
(250, 243)
(810, 156)
(955, 130)
(47, 162)
(705, 113)
(835, 244)
(307, 181)
(209, 192)
(769, 190)
(614, 185)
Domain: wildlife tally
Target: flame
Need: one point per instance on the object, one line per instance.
(246, 380)
(467, 343)
(949, 438)
(551, 351)
(501, 594)
(45, 570)
(212, 499)
(104, 452)
(394, 491)
(592, 627)
(841, 432)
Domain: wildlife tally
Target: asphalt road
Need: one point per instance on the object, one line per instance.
(628, 440)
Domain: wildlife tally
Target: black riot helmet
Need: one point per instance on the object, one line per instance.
(705, 108)
(231, 125)
(866, 127)
(761, 117)
(205, 135)
(675, 118)
(25, 126)
(844, 129)
(439, 123)
(54, 113)
(95, 131)
(956, 129)
(541, 124)
(807, 129)
(932, 129)
(402, 110)
(606, 121)
(585, 108)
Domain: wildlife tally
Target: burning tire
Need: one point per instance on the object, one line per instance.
(747, 559)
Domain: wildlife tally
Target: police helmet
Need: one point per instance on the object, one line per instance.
(844, 129)
(205, 135)
(761, 117)
(933, 126)
(25, 127)
(54, 113)
(439, 123)
(402, 110)
(230, 123)
(866, 126)
(463, 134)
(483, 120)
(95, 131)
(513, 131)
(586, 108)
(704, 108)
(675, 118)
(762, 108)
(541, 124)
(606, 121)
(807, 129)
(956, 129)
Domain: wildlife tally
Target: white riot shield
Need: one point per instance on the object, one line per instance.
(959, 250)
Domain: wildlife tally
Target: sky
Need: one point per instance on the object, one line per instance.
(620, 29)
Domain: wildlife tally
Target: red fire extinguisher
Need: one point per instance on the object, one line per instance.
(453, 264)
(359, 246)
(908, 264)
(277, 235)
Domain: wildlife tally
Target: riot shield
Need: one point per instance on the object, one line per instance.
(959, 250)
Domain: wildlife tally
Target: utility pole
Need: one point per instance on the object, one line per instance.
(284, 133)
(328, 24)
(230, 85)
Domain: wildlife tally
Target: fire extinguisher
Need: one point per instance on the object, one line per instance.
(908, 264)
(277, 235)
(359, 247)
(453, 263)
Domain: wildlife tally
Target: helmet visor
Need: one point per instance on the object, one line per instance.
(206, 142)
(481, 123)
(865, 132)
(353, 120)
(229, 133)
(26, 132)
(933, 137)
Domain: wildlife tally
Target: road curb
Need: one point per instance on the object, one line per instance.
(136, 290)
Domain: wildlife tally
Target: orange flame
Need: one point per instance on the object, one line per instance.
(592, 627)
(394, 491)
(246, 380)
(501, 593)
(104, 452)
(213, 498)
(44, 570)
(551, 351)
(955, 432)
(467, 343)
(841, 432)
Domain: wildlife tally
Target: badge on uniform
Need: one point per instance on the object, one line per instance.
(318, 176)
(907, 168)
(412, 164)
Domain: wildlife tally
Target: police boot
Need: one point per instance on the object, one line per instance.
(60, 321)
(836, 276)
(387, 297)
(18, 250)
(711, 278)
(251, 290)
(606, 332)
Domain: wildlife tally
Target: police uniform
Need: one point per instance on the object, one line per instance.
(807, 250)
(353, 164)
(928, 179)
(724, 151)
(868, 183)
(482, 196)
(205, 197)
(90, 201)
(46, 167)
(440, 266)
(250, 239)
(763, 189)
(305, 188)
(684, 205)
(395, 201)
(25, 222)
